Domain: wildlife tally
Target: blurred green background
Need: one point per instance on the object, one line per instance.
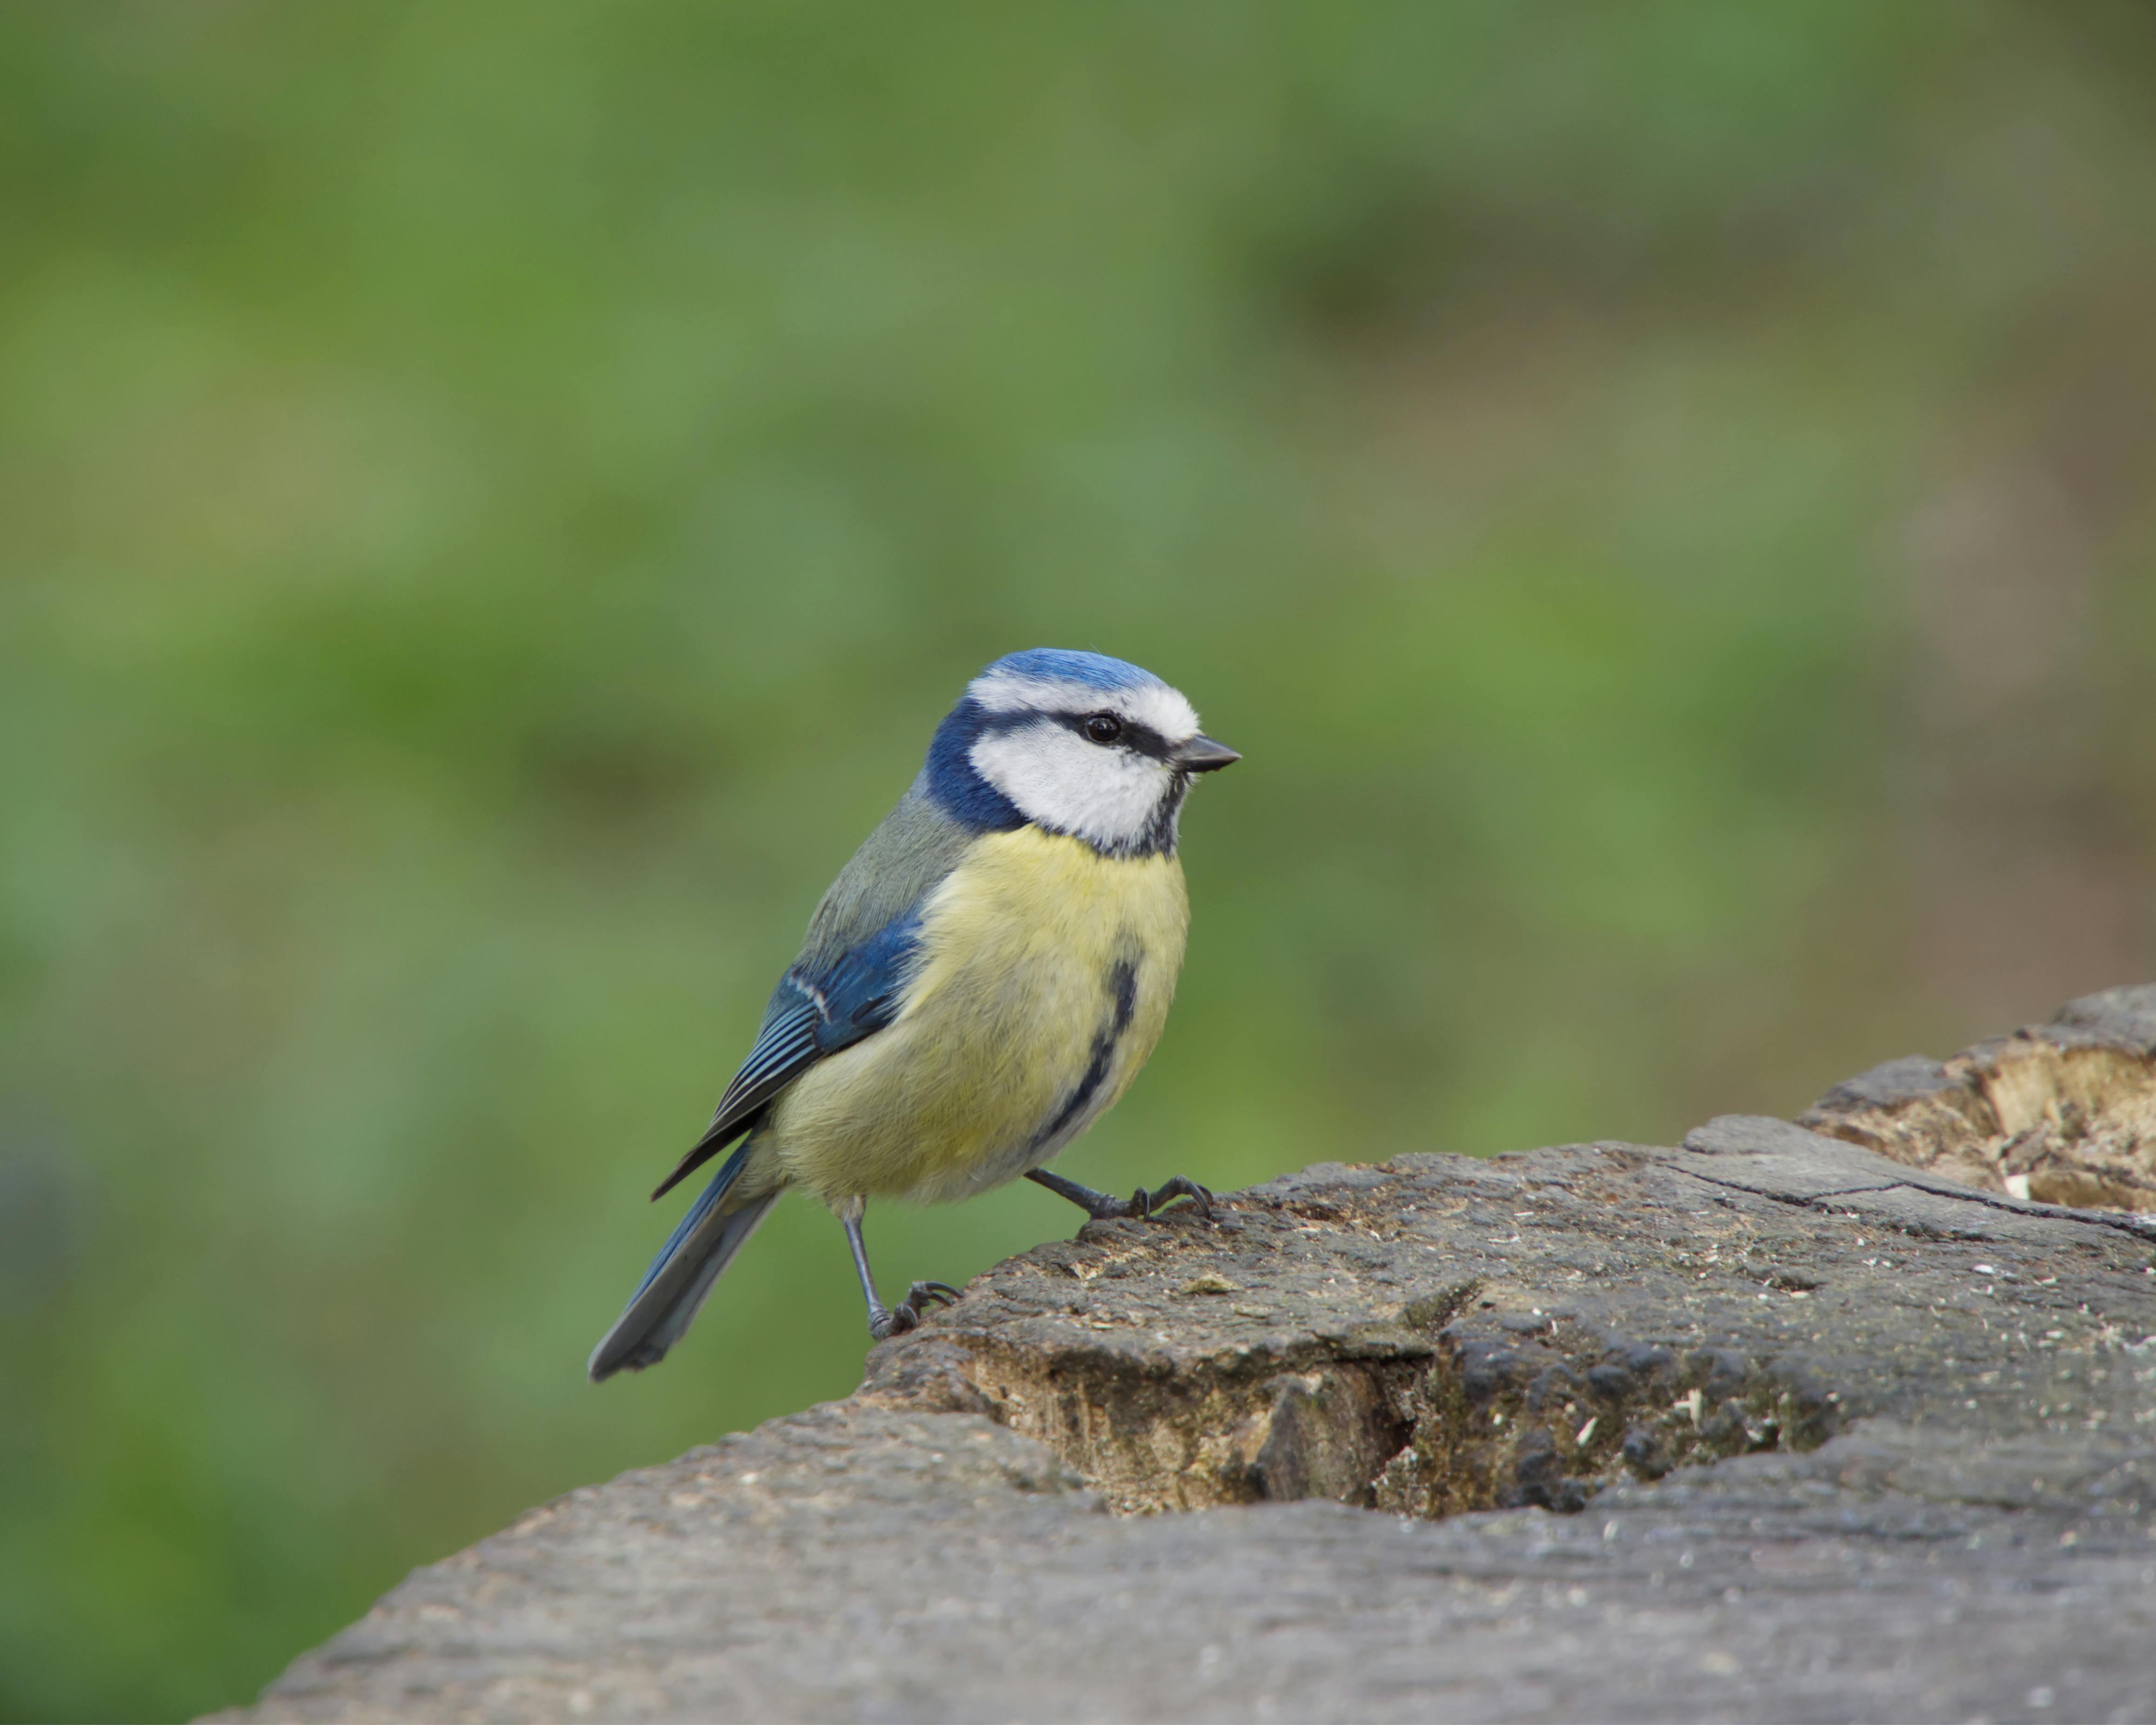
(493, 499)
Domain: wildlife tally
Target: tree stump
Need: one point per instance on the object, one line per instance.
(1781, 1423)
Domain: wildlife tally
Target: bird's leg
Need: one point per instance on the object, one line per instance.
(1141, 1204)
(888, 1320)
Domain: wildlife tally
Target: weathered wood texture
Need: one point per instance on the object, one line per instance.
(1767, 1426)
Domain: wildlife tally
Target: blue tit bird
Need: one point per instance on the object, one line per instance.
(979, 985)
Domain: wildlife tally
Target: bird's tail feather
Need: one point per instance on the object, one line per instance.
(680, 1280)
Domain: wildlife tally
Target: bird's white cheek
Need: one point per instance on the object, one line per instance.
(1061, 781)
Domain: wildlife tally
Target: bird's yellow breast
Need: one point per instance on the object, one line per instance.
(1045, 976)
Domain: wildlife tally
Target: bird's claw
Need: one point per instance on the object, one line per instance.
(1145, 1205)
(883, 1322)
(1139, 1206)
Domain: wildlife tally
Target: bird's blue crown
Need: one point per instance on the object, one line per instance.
(1061, 664)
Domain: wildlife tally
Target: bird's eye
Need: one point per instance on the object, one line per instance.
(1104, 727)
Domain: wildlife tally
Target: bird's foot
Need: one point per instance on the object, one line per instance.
(887, 1322)
(1139, 1206)
(1144, 1205)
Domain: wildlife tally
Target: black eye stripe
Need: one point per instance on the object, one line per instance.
(1139, 739)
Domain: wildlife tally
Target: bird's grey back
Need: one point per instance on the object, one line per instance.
(898, 866)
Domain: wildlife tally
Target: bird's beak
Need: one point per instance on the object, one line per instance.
(1201, 754)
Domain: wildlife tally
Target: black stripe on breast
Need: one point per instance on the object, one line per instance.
(1123, 984)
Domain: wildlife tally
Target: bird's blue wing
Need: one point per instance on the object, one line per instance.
(816, 1011)
(847, 981)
